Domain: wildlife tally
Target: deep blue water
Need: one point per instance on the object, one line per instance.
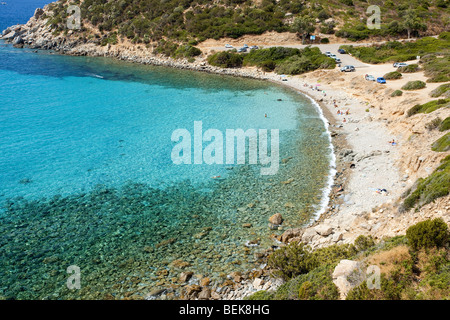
(87, 178)
(18, 11)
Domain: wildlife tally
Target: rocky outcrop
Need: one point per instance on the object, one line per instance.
(347, 275)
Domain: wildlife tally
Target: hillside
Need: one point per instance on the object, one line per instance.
(193, 21)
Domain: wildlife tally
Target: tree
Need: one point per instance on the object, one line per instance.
(412, 22)
(303, 26)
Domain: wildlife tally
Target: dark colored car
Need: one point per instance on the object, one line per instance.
(341, 51)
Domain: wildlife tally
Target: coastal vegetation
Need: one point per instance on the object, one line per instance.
(444, 125)
(414, 266)
(442, 90)
(397, 93)
(149, 21)
(393, 75)
(426, 190)
(442, 144)
(414, 85)
(279, 59)
(410, 68)
(226, 59)
(396, 51)
(429, 106)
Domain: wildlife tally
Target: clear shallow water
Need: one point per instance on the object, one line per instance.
(87, 177)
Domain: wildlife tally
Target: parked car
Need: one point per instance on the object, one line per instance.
(243, 49)
(347, 69)
(327, 53)
(369, 77)
(228, 46)
(400, 64)
(245, 46)
(337, 60)
(254, 47)
(381, 80)
(341, 51)
(333, 56)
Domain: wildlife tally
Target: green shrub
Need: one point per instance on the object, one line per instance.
(437, 69)
(434, 186)
(395, 51)
(427, 234)
(314, 285)
(363, 242)
(260, 295)
(186, 51)
(429, 106)
(392, 75)
(410, 68)
(442, 144)
(324, 40)
(414, 85)
(433, 124)
(291, 260)
(273, 54)
(443, 89)
(445, 125)
(396, 93)
(226, 59)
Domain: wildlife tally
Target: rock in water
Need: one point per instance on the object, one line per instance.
(276, 219)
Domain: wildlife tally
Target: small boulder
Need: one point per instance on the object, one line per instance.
(258, 283)
(324, 230)
(185, 276)
(309, 234)
(205, 294)
(347, 275)
(291, 233)
(276, 219)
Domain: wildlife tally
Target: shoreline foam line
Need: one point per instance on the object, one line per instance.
(326, 191)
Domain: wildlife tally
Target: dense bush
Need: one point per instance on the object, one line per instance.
(396, 93)
(433, 124)
(442, 90)
(437, 69)
(410, 68)
(309, 59)
(298, 258)
(291, 260)
(414, 85)
(273, 54)
(442, 144)
(392, 75)
(428, 107)
(445, 125)
(428, 189)
(395, 51)
(427, 234)
(226, 59)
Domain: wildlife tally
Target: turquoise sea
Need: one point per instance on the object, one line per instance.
(87, 178)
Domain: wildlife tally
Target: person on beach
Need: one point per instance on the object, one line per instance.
(344, 120)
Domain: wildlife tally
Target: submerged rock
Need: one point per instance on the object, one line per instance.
(276, 219)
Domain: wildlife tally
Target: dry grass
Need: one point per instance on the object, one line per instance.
(388, 260)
